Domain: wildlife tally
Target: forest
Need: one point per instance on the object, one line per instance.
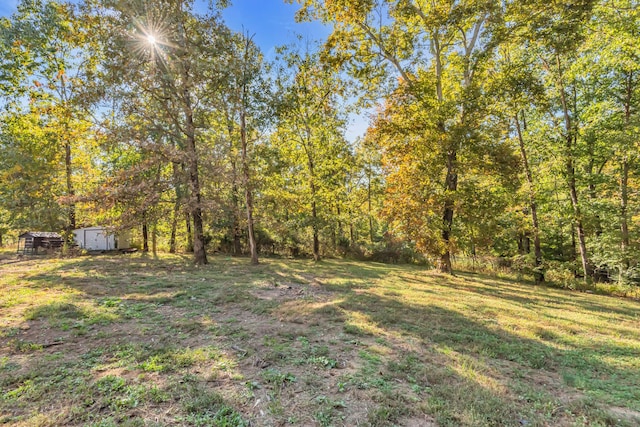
(503, 130)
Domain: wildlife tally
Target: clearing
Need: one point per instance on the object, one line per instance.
(135, 340)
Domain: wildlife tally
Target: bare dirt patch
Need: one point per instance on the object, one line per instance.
(626, 414)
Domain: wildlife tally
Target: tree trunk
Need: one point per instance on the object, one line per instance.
(178, 188)
(369, 206)
(145, 234)
(237, 237)
(577, 217)
(189, 233)
(199, 252)
(538, 272)
(200, 255)
(236, 230)
(524, 244)
(70, 190)
(593, 195)
(624, 200)
(314, 218)
(314, 213)
(339, 216)
(154, 239)
(451, 179)
(451, 185)
(253, 247)
(570, 134)
(71, 218)
(195, 202)
(352, 235)
(174, 226)
(312, 187)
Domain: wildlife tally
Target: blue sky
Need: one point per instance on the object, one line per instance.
(271, 21)
(7, 7)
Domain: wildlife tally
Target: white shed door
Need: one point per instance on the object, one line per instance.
(92, 240)
(95, 240)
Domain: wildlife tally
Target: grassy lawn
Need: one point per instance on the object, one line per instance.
(134, 340)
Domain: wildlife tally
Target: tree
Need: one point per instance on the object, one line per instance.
(32, 173)
(49, 60)
(434, 56)
(521, 89)
(557, 33)
(609, 62)
(309, 134)
(173, 58)
(244, 101)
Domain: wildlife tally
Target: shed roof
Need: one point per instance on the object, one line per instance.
(92, 228)
(45, 234)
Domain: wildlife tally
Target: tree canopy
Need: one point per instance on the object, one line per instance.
(497, 129)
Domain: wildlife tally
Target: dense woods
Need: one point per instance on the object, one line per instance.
(497, 129)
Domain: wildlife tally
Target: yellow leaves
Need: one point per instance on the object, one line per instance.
(348, 10)
(16, 169)
(12, 174)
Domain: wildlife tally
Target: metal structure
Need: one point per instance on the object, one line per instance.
(31, 241)
(101, 239)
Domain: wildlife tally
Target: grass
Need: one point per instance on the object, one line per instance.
(134, 340)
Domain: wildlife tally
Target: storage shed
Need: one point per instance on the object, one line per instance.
(31, 241)
(100, 239)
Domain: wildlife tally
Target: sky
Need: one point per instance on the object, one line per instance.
(7, 7)
(271, 22)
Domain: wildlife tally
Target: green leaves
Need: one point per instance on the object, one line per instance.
(481, 110)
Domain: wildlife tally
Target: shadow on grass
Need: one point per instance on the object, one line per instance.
(467, 372)
(528, 293)
(224, 280)
(582, 370)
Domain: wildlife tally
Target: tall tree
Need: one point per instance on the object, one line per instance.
(435, 54)
(520, 87)
(309, 133)
(610, 68)
(244, 102)
(170, 56)
(50, 60)
(32, 173)
(557, 33)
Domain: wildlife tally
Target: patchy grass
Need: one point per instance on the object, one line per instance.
(134, 340)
